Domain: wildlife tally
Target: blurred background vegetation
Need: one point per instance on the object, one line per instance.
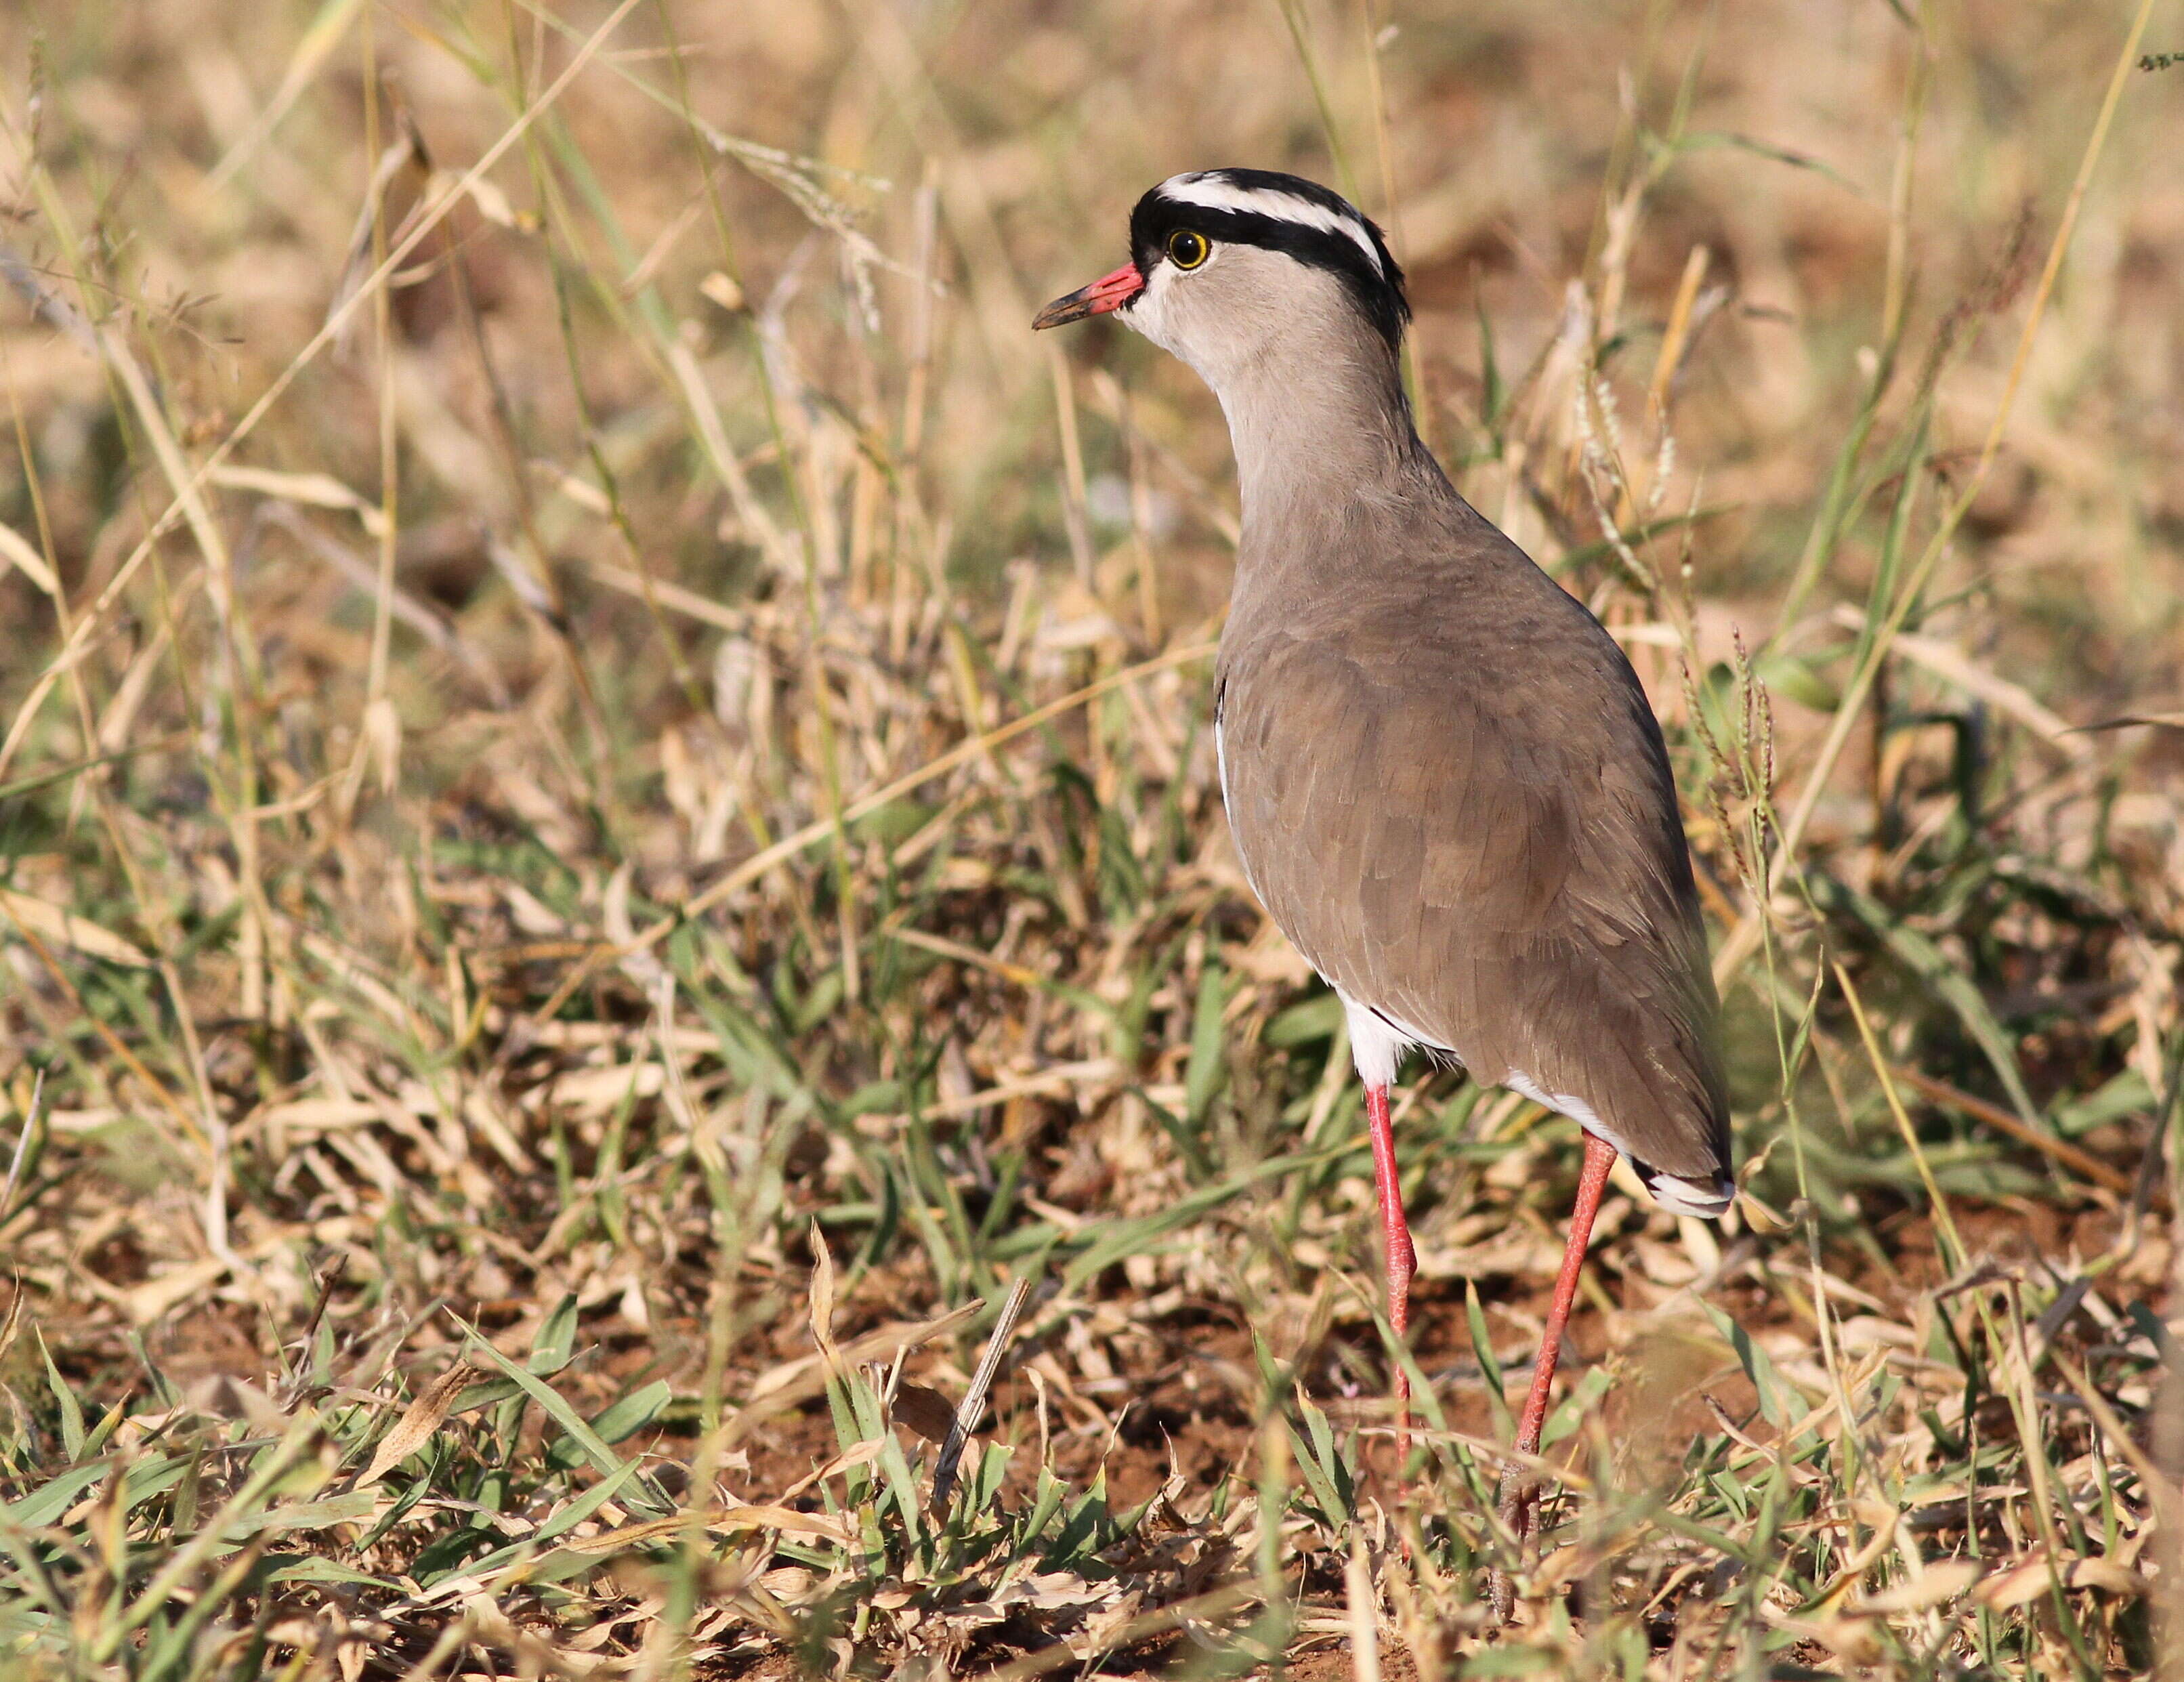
(608, 838)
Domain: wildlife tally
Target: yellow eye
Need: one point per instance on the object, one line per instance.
(1187, 249)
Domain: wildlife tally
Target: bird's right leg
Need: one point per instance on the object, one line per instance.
(1401, 1258)
(1520, 1487)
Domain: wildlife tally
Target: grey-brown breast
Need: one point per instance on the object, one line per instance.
(1448, 789)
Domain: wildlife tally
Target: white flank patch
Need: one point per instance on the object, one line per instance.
(1562, 1104)
(1375, 1047)
(1208, 189)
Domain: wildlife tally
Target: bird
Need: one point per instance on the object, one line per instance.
(1444, 781)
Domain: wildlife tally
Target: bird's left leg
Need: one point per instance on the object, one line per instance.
(1520, 1487)
(1401, 1259)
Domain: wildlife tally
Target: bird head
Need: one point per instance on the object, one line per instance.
(1230, 267)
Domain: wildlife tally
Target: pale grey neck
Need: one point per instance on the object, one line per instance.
(1309, 439)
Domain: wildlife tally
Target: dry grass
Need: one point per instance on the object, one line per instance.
(606, 830)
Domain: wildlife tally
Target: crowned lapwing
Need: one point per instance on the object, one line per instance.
(1445, 781)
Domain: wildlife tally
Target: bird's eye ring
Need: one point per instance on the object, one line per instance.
(1187, 248)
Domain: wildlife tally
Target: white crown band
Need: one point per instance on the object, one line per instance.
(1209, 191)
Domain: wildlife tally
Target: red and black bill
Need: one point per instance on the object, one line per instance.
(1109, 292)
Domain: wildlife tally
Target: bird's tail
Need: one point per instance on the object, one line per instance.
(1705, 1195)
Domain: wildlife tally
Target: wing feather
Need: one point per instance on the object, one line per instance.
(1485, 850)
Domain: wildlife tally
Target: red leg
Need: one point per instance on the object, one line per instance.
(1401, 1259)
(1520, 1489)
